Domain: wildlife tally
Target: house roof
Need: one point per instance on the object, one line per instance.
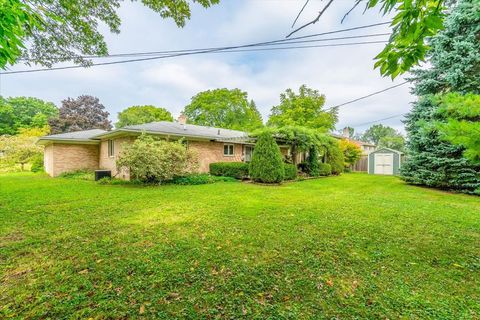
(163, 128)
(177, 129)
(75, 136)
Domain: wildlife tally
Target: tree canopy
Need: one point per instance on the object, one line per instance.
(224, 108)
(21, 149)
(24, 112)
(55, 31)
(303, 109)
(378, 131)
(395, 142)
(142, 114)
(83, 113)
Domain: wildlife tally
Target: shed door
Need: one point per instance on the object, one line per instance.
(383, 163)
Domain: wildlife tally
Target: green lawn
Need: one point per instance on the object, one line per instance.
(354, 246)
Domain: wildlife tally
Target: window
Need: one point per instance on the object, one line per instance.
(228, 150)
(111, 148)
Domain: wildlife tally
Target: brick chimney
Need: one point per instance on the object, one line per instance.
(182, 119)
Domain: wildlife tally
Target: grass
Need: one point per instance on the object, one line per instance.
(354, 246)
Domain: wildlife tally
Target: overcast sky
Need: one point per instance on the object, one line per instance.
(341, 73)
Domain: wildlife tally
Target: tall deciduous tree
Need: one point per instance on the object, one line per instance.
(45, 32)
(84, 113)
(378, 131)
(142, 114)
(396, 142)
(24, 112)
(303, 109)
(455, 65)
(223, 108)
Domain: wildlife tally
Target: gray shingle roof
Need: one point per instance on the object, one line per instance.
(76, 135)
(187, 130)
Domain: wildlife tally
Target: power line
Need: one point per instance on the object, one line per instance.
(208, 50)
(147, 53)
(191, 53)
(366, 96)
(383, 119)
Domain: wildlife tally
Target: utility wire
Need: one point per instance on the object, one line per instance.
(383, 119)
(366, 96)
(201, 49)
(191, 53)
(208, 50)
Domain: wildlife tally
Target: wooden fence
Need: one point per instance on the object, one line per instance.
(361, 164)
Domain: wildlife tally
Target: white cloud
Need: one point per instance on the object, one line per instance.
(341, 73)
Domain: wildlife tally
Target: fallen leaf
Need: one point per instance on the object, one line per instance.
(142, 309)
(329, 283)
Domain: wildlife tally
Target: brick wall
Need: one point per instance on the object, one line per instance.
(209, 152)
(48, 159)
(109, 163)
(61, 158)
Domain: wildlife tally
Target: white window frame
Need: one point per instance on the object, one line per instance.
(228, 145)
(111, 148)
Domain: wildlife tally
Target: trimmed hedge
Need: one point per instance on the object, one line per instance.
(237, 170)
(200, 178)
(324, 169)
(290, 171)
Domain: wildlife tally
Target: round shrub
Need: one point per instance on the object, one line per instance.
(238, 170)
(267, 165)
(324, 169)
(290, 171)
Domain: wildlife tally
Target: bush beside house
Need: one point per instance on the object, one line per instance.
(267, 163)
(156, 161)
(290, 171)
(334, 157)
(324, 169)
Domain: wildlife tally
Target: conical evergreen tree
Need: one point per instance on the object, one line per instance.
(267, 164)
(455, 66)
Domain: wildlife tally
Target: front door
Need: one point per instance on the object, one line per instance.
(383, 163)
(248, 153)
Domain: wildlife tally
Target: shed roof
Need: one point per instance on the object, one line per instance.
(388, 149)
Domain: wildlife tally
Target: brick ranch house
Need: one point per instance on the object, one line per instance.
(99, 149)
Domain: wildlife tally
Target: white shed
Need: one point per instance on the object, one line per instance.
(385, 161)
